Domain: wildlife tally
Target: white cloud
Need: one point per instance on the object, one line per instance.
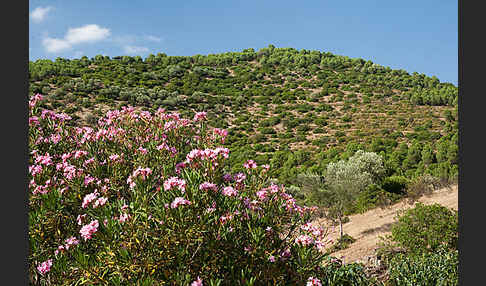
(85, 34)
(39, 14)
(153, 38)
(135, 49)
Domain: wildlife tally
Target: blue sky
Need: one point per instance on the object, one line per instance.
(417, 36)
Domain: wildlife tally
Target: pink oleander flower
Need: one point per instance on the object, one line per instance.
(142, 150)
(179, 201)
(175, 182)
(229, 192)
(89, 198)
(114, 157)
(250, 164)
(285, 254)
(79, 154)
(123, 217)
(71, 242)
(221, 132)
(66, 156)
(88, 230)
(179, 167)
(208, 186)
(271, 258)
(313, 282)
(304, 240)
(225, 218)
(34, 120)
(199, 116)
(197, 282)
(320, 245)
(89, 161)
(261, 194)
(44, 160)
(60, 248)
(45, 266)
(88, 179)
(142, 172)
(35, 169)
(55, 138)
(239, 177)
(100, 202)
(273, 188)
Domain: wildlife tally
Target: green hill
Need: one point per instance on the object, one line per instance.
(297, 109)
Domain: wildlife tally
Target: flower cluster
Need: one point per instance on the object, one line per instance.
(313, 282)
(175, 182)
(207, 154)
(45, 266)
(88, 230)
(208, 186)
(229, 192)
(178, 202)
(250, 164)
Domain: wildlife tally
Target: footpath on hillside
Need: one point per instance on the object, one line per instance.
(367, 228)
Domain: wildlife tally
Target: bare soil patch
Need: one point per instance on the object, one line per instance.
(367, 228)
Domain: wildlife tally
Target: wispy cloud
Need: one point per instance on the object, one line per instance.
(153, 38)
(39, 13)
(135, 49)
(86, 34)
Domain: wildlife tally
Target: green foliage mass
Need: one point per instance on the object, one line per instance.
(426, 228)
(439, 268)
(277, 103)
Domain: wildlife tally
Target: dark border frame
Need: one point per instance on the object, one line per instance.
(15, 20)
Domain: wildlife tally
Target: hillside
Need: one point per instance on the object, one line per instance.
(298, 110)
(367, 228)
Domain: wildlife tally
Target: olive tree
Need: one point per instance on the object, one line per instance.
(342, 182)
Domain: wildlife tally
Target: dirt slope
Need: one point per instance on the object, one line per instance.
(366, 228)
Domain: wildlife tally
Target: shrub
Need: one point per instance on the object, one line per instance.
(373, 196)
(439, 268)
(395, 184)
(422, 185)
(425, 228)
(353, 274)
(116, 204)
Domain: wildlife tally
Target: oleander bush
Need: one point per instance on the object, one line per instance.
(148, 199)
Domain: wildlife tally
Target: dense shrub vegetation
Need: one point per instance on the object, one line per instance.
(426, 229)
(144, 199)
(427, 237)
(440, 268)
